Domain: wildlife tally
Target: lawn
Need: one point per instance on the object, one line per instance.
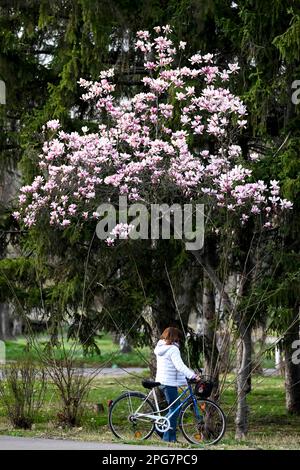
(109, 357)
(270, 426)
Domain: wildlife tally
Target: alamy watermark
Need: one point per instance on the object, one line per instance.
(296, 353)
(2, 92)
(159, 221)
(296, 93)
(2, 353)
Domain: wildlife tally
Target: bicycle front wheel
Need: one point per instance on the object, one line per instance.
(207, 426)
(124, 420)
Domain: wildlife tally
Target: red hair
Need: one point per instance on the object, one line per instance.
(171, 335)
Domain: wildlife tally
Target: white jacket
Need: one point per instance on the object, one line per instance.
(171, 370)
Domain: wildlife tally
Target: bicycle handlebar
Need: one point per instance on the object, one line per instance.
(193, 381)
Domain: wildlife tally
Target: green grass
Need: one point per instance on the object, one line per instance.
(110, 355)
(268, 363)
(270, 426)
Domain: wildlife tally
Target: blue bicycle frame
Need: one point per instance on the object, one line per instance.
(180, 405)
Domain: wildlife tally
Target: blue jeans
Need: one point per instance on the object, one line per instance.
(171, 393)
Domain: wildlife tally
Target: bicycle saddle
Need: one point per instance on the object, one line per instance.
(147, 383)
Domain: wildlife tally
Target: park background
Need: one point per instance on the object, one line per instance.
(66, 296)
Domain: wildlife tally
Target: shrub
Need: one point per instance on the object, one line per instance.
(70, 381)
(22, 392)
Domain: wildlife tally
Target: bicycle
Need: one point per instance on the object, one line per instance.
(136, 415)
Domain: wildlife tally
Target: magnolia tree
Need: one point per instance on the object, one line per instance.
(178, 133)
(174, 141)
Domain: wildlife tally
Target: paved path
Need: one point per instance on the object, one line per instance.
(137, 371)
(112, 371)
(28, 443)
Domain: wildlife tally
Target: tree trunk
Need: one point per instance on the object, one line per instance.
(115, 336)
(212, 274)
(259, 336)
(124, 345)
(17, 327)
(209, 328)
(154, 331)
(292, 370)
(224, 342)
(243, 380)
(5, 322)
(211, 352)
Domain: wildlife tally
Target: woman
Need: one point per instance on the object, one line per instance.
(171, 373)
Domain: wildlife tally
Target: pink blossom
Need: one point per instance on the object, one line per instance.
(196, 59)
(224, 75)
(167, 29)
(53, 125)
(180, 96)
(233, 67)
(255, 210)
(285, 204)
(22, 198)
(254, 156)
(16, 215)
(208, 57)
(234, 150)
(150, 65)
(137, 150)
(122, 230)
(274, 185)
(166, 110)
(143, 35)
(268, 225)
(66, 223)
(72, 209)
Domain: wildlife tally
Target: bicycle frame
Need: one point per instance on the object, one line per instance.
(158, 411)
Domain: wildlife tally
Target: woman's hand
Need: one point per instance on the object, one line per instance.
(198, 375)
(196, 378)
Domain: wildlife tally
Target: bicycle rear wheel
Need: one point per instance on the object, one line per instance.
(122, 418)
(206, 430)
